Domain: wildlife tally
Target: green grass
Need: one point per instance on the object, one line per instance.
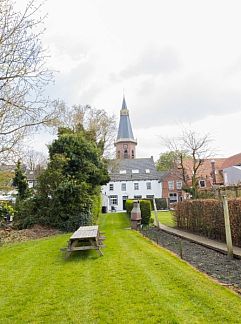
(134, 282)
(165, 217)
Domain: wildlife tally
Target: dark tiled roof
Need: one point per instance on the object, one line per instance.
(134, 164)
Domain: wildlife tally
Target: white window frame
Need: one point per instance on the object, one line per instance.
(123, 187)
(148, 185)
(136, 186)
(179, 184)
(111, 186)
(171, 185)
(113, 200)
(134, 171)
(138, 197)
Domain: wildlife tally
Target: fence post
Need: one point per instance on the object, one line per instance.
(156, 222)
(227, 227)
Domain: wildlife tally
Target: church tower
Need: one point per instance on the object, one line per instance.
(125, 143)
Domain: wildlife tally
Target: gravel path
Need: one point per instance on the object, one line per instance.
(213, 263)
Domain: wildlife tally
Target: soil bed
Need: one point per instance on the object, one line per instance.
(213, 263)
(10, 235)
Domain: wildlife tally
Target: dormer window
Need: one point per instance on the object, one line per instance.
(122, 171)
(135, 171)
(147, 170)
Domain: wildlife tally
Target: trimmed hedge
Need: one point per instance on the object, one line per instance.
(205, 217)
(161, 203)
(145, 206)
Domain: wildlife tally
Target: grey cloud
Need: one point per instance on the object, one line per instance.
(69, 85)
(187, 101)
(153, 62)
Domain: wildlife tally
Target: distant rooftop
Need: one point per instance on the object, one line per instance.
(142, 164)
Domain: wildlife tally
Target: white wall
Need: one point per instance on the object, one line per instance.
(156, 190)
(232, 175)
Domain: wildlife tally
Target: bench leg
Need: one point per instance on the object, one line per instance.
(95, 243)
(100, 252)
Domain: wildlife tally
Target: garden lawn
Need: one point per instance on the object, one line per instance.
(165, 217)
(134, 282)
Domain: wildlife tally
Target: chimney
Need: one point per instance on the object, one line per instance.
(213, 173)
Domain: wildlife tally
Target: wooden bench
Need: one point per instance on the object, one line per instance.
(85, 238)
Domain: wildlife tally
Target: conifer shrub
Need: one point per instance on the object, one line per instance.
(145, 207)
(205, 217)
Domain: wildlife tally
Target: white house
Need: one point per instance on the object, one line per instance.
(130, 177)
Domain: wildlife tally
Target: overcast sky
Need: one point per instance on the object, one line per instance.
(179, 63)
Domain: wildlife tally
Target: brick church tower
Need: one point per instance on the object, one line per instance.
(125, 143)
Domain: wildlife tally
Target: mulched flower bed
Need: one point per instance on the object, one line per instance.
(213, 263)
(10, 235)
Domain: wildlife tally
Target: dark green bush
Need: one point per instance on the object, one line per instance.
(96, 206)
(145, 211)
(161, 203)
(129, 206)
(145, 206)
(70, 208)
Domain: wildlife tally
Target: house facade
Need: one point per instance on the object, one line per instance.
(208, 175)
(130, 177)
(172, 187)
(231, 169)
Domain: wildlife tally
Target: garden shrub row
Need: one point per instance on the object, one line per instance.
(205, 217)
(145, 206)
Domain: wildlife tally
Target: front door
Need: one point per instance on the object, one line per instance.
(124, 199)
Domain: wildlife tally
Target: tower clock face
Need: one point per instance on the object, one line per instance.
(125, 146)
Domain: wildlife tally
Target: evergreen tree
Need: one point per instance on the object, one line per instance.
(20, 182)
(68, 188)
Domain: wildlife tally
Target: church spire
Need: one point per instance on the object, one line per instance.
(125, 142)
(124, 106)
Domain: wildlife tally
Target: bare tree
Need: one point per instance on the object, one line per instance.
(23, 74)
(34, 160)
(102, 125)
(191, 146)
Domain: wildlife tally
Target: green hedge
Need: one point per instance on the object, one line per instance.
(145, 206)
(161, 203)
(205, 217)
